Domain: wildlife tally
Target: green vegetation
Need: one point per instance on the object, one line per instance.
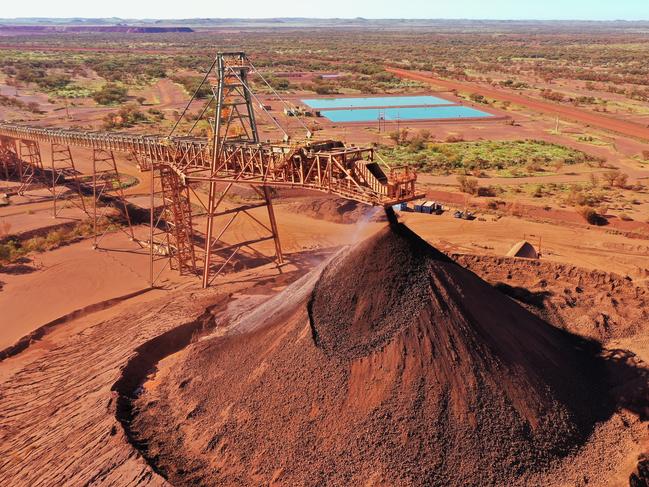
(12, 249)
(111, 94)
(72, 91)
(279, 84)
(48, 82)
(126, 116)
(127, 69)
(609, 58)
(191, 84)
(532, 155)
(577, 195)
(126, 181)
(7, 101)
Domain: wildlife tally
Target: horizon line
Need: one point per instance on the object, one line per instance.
(520, 19)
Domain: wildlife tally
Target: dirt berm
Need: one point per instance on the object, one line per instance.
(403, 368)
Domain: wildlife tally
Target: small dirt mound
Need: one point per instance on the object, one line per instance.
(403, 369)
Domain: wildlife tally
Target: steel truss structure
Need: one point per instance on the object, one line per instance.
(63, 172)
(181, 167)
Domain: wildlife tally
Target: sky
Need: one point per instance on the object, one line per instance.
(371, 9)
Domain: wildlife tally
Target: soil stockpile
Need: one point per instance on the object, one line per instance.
(595, 304)
(403, 368)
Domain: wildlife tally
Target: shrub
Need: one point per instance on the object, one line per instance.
(155, 71)
(54, 81)
(5, 253)
(156, 114)
(468, 185)
(477, 98)
(533, 167)
(552, 95)
(492, 204)
(126, 116)
(400, 137)
(454, 138)
(191, 84)
(616, 178)
(486, 191)
(621, 180)
(279, 84)
(591, 215)
(325, 89)
(110, 94)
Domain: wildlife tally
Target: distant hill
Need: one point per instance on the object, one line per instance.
(114, 24)
(136, 29)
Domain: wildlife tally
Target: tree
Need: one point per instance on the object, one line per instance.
(110, 94)
(610, 177)
(615, 178)
(34, 107)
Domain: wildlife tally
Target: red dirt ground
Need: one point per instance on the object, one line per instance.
(570, 113)
(36, 48)
(599, 305)
(60, 386)
(537, 213)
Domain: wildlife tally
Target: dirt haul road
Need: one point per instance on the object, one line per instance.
(569, 113)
